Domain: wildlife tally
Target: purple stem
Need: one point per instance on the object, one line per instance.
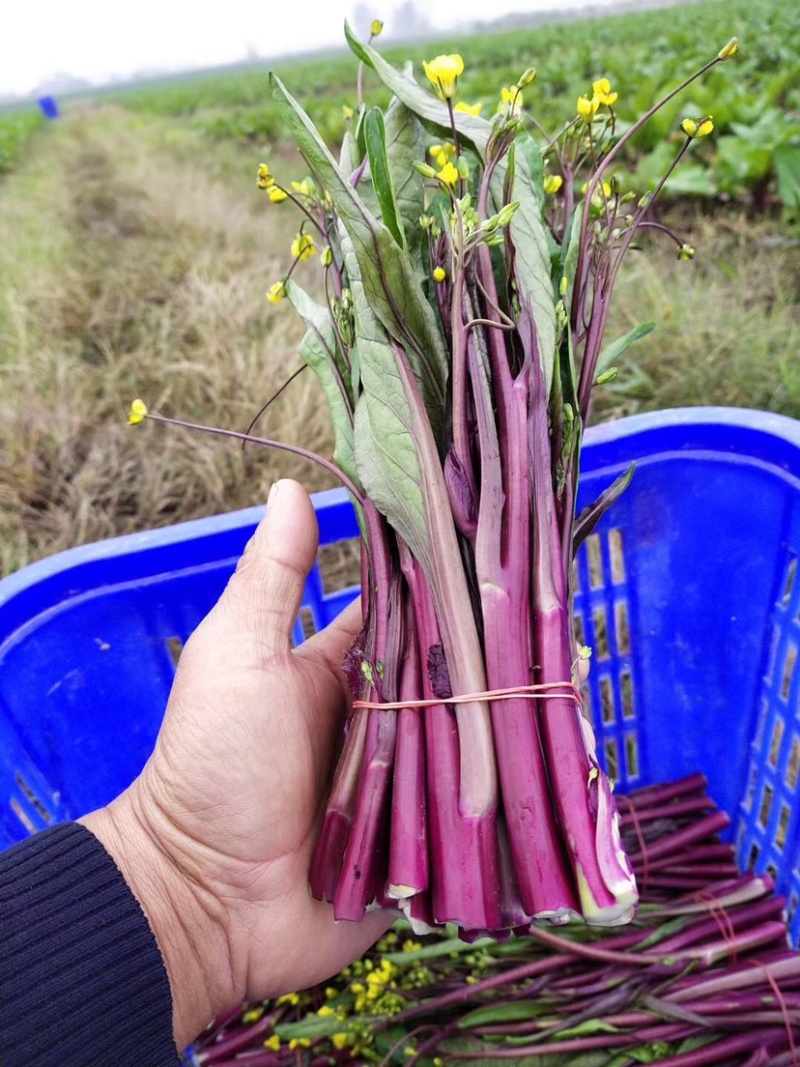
(408, 854)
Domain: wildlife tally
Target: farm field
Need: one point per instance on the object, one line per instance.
(136, 251)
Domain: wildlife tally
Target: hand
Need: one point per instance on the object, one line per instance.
(215, 837)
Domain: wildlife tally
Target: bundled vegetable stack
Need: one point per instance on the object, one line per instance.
(458, 349)
(702, 977)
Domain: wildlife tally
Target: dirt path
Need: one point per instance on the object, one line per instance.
(134, 262)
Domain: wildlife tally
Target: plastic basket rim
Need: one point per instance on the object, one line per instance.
(606, 433)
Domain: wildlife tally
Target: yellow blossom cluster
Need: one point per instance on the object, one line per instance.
(552, 184)
(137, 412)
(275, 294)
(602, 96)
(375, 996)
(511, 100)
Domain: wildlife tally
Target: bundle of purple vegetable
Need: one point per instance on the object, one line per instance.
(458, 346)
(702, 977)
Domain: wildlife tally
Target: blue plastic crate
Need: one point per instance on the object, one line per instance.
(688, 594)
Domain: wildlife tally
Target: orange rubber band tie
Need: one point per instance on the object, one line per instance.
(532, 692)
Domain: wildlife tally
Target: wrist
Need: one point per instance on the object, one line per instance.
(188, 924)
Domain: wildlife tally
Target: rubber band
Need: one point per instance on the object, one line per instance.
(534, 692)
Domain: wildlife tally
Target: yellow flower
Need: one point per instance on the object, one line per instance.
(602, 90)
(275, 294)
(730, 49)
(606, 187)
(376, 28)
(409, 945)
(276, 195)
(448, 174)
(137, 412)
(511, 98)
(409, 1050)
(442, 153)
(304, 188)
(439, 275)
(347, 112)
(273, 1043)
(288, 998)
(685, 252)
(469, 109)
(331, 993)
(699, 128)
(553, 183)
(325, 1010)
(444, 72)
(300, 1042)
(340, 1040)
(303, 247)
(587, 109)
(263, 178)
(253, 1015)
(326, 259)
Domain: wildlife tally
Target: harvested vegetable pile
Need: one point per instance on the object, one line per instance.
(701, 977)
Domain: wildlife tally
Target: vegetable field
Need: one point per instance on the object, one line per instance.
(754, 157)
(16, 128)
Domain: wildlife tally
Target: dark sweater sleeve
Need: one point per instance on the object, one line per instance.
(82, 982)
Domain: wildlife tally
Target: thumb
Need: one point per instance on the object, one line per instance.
(263, 597)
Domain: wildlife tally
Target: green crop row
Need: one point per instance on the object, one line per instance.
(753, 156)
(16, 128)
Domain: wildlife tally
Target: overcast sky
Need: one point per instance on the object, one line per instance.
(98, 39)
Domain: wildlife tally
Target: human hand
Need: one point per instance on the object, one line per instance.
(215, 836)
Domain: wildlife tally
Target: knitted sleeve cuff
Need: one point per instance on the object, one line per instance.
(82, 982)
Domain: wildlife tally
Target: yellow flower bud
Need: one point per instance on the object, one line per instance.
(730, 49)
(424, 169)
(273, 1043)
(587, 109)
(304, 188)
(303, 247)
(442, 153)
(347, 112)
(685, 252)
(444, 72)
(563, 286)
(511, 99)
(326, 259)
(340, 1040)
(376, 28)
(137, 412)
(325, 1010)
(553, 183)
(468, 109)
(439, 275)
(288, 998)
(527, 78)
(275, 294)
(300, 1042)
(276, 194)
(699, 128)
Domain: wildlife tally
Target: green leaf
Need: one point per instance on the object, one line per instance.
(591, 515)
(388, 277)
(472, 129)
(319, 351)
(375, 140)
(516, 1011)
(532, 260)
(440, 948)
(611, 353)
(405, 142)
(787, 168)
(349, 156)
(588, 1028)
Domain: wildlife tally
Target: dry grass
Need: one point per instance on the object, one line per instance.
(134, 267)
(134, 262)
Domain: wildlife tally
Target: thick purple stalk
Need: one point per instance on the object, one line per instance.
(545, 886)
(455, 851)
(730, 923)
(586, 811)
(362, 871)
(239, 1041)
(678, 840)
(783, 967)
(724, 1049)
(664, 1032)
(408, 848)
(326, 863)
(656, 795)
